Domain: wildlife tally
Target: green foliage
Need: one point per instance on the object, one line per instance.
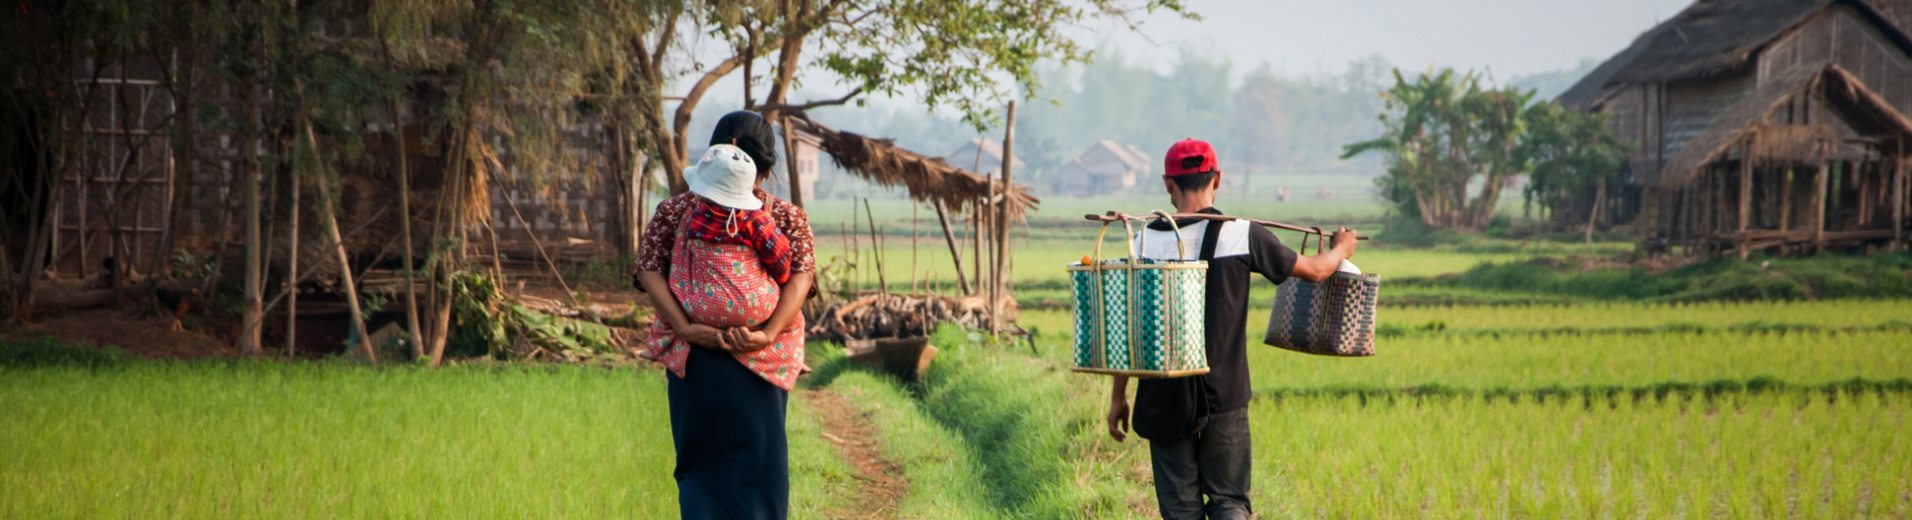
(960, 54)
(49, 351)
(1567, 151)
(1443, 132)
(185, 265)
(559, 333)
(477, 328)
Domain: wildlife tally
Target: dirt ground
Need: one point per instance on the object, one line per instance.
(144, 334)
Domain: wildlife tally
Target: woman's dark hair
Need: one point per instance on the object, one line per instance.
(752, 134)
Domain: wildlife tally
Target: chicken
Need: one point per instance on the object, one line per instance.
(177, 302)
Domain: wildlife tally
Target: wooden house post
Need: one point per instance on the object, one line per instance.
(1819, 202)
(1745, 194)
(1898, 198)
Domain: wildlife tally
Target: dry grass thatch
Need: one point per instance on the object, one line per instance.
(1712, 36)
(928, 179)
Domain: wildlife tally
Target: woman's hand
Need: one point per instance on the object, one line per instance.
(743, 339)
(704, 336)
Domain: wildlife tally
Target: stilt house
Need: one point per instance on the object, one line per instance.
(1763, 124)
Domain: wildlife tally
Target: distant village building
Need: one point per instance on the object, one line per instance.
(808, 171)
(1762, 124)
(989, 162)
(1105, 168)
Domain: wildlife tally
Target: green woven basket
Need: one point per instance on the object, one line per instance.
(1138, 317)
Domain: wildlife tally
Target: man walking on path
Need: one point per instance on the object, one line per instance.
(1197, 426)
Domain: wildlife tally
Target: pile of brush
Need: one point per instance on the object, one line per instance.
(889, 315)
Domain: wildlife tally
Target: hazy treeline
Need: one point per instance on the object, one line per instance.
(1263, 122)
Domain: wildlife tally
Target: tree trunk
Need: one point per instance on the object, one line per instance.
(249, 334)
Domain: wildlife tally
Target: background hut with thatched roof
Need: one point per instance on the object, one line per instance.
(1105, 168)
(1763, 123)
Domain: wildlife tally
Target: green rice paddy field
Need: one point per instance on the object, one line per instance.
(1556, 410)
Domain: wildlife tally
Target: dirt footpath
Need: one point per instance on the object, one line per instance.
(880, 481)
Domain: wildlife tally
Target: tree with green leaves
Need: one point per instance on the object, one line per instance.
(968, 55)
(1444, 132)
(1566, 153)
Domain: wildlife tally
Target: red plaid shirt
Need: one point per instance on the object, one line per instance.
(654, 253)
(750, 228)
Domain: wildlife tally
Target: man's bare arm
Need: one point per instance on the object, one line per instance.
(1319, 267)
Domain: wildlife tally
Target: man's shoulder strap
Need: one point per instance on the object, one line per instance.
(1211, 235)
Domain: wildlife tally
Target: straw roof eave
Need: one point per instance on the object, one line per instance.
(926, 179)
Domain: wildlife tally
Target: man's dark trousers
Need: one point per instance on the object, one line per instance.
(1214, 462)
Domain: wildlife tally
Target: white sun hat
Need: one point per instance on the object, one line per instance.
(726, 176)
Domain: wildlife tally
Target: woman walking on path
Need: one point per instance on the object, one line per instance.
(728, 388)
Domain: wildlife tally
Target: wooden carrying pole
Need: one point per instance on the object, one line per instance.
(1114, 216)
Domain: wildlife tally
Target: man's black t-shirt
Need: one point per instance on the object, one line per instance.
(1241, 249)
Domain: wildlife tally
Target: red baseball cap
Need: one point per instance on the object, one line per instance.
(1189, 156)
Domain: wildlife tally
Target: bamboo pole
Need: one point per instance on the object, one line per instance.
(915, 211)
(292, 271)
(955, 251)
(345, 266)
(529, 232)
(405, 230)
(856, 254)
(976, 244)
(876, 247)
(1001, 227)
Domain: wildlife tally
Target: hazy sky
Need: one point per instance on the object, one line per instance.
(1512, 37)
(1508, 37)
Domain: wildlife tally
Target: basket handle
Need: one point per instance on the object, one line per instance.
(1096, 259)
(1181, 248)
(1321, 244)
